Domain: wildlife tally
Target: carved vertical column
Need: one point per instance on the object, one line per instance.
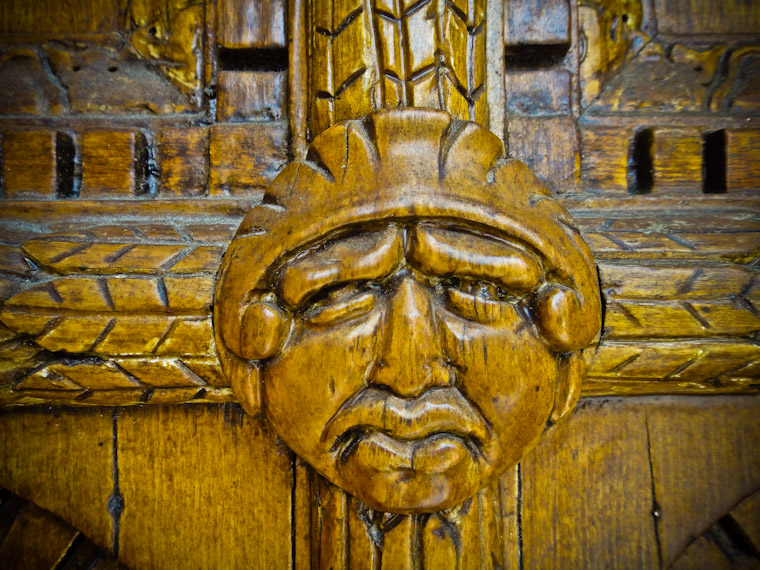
(351, 57)
(347, 59)
(341, 532)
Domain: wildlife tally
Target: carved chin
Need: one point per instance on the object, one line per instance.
(404, 476)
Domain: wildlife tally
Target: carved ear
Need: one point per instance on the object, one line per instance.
(563, 319)
(568, 386)
(262, 331)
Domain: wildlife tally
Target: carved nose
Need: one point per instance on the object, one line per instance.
(411, 360)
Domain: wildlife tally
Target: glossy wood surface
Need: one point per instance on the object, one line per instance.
(136, 136)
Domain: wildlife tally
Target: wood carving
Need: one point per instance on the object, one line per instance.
(420, 301)
(422, 54)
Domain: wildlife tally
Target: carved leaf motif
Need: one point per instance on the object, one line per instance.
(737, 246)
(138, 377)
(700, 361)
(116, 315)
(369, 54)
(114, 249)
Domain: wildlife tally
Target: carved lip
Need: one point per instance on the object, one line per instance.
(413, 423)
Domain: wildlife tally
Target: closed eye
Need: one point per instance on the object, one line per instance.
(479, 301)
(341, 303)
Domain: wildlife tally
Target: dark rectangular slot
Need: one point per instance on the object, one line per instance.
(640, 172)
(66, 184)
(534, 56)
(714, 163)
(142, 167)
(253, 59)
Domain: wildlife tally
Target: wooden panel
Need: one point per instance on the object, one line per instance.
(50, 18)
(677, 159)
(246, 158)
(62, 460)
(184, 161)
(703, 553)
(707, 16)
(718, 465)
(203, 487)
(29, 159)
(575, 513)
(538, 93)
(114, 163)
(36, 540)
(251, 23)
(742, 165)
(549, 146)
(536, 22)
(604, 159)
(747, 515)
(251, 94)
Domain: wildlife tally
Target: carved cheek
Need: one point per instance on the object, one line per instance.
(509, 373)
(317, 371)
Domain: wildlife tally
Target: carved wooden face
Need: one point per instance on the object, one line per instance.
(407, 308)
(414, 373)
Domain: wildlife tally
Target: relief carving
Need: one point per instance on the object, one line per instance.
(408, 309)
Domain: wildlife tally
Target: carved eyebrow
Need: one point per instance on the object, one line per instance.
(452, 252)
(367, 256)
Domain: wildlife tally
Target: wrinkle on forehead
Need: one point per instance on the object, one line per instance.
(453, 252)
(366, 256)
(431, 249)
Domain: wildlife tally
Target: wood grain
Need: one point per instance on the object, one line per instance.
(245, 95)
(244, 159)
(688, 496)
(633, 248)
(46, 18)
(29, 164)
(676, 159)
(184, 161)
(251, 23)
(36, 540)
(706, 16)
(114, 163)
(742, 171)
(225, 468)
(538, 93)
(63, 462)
(549, 146)
(536, 22)
(576, 516)
(604, 162)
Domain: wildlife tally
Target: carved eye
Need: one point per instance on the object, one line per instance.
(479, 301)
(341, 303)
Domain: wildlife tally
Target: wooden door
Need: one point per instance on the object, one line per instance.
(137, 134)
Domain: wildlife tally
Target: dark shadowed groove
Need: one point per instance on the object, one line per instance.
(115, 500)
(519, 518)
(656, 513)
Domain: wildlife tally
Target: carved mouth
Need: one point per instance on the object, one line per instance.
(407, 450)
(440, 421)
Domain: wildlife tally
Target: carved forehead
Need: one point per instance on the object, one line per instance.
(434, 249)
